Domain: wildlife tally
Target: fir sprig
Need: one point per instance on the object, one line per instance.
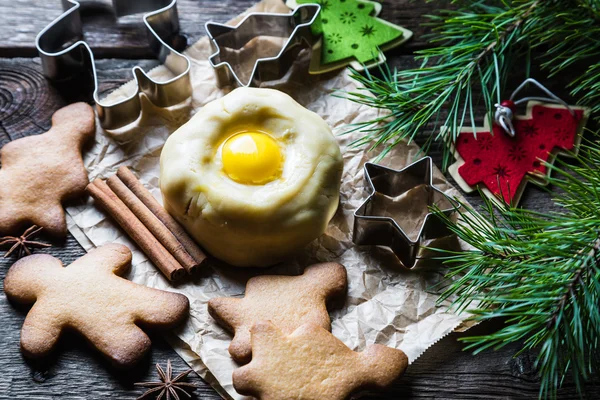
(569, 38)
(476, 46)
(540, 271)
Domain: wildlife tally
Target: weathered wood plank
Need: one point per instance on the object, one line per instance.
(27, 101)
(126, 38)
(443, 372)
(76, 372)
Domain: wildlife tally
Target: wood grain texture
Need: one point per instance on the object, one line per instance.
(443, 372)
(27, 101)
(108, 37)
(126, 38)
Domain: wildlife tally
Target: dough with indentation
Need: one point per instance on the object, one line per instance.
(252, 225)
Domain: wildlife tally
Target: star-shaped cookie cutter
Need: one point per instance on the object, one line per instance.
(161, 22)
(379, 230)
(296, 26)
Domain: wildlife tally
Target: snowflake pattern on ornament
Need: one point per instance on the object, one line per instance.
(501, 163)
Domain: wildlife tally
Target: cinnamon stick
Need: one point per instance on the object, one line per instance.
(155, 251)
(154, 225)
(136, 187)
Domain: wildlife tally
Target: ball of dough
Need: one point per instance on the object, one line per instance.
(253, 176)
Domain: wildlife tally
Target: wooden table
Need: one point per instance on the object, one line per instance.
(27, 101)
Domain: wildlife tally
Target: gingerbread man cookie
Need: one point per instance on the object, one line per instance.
(312, 364)
(89, 297)
(287, 301)
(40, 172)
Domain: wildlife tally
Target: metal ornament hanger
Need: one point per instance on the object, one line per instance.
(504, 111)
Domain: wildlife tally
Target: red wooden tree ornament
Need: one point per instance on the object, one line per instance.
(501, 165)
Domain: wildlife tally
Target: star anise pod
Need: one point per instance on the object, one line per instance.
(169, 387)
(23, 243)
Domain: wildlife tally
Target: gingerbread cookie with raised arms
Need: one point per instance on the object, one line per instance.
(287, 301)
(91, 298)
(312, 364)
(40, 172)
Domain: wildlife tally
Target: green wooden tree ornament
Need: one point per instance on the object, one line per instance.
(351, 34)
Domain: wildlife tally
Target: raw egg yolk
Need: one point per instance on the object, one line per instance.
(252, 158)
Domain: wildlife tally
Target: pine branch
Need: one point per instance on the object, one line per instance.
(540, 271)
(477, 45)
(568, 39)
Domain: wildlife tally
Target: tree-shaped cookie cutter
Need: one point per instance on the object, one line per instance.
(295, 26)
(162, 22)
(378, 230)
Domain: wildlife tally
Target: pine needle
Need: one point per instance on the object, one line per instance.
(476, 46)
(540, 271)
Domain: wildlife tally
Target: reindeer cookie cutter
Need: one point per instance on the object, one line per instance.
(296, 26)
(162, 22)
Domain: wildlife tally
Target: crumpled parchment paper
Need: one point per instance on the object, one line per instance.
(385, 304)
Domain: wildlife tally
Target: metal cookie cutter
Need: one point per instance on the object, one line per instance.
(162, 22)
(296, 26)
(372, 228)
